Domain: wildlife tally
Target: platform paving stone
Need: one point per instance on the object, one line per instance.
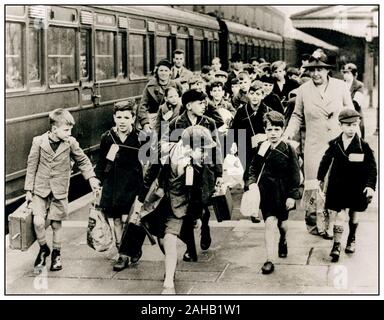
(283, 275)
(82, 269)
(244, 289)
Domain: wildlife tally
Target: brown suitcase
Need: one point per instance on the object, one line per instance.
(21, 232)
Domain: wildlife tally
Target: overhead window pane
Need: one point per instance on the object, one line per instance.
(161, 48)
(136, 56)
(34, 56)
(105, 55)
(14, 63)
(61, 56)
(85, 51)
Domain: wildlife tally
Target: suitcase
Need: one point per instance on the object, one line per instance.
(222, 205)
(21, 231)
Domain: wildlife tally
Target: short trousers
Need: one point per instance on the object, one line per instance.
(173, 224)
(50, 208)
(281, 216)
(116, 212)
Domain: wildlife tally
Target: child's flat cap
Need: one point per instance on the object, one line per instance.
(348, 116)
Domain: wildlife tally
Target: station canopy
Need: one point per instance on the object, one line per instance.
(350, 20)
(306, 38)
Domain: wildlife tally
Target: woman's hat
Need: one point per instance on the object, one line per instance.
(164, 62)
(351, 67)
(318, 60)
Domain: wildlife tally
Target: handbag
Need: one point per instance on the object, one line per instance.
(222, 202)
(99, 232)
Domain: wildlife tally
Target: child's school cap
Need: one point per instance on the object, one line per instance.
(192, 95)
(348, 116)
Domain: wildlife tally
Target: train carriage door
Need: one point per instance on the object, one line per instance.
(85, 55)
(163, 42)
(151, 47)
(184, 43)
(122, 69)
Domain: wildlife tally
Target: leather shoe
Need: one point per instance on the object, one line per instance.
(351, 246)
(205, 240)
(268, 267)
(327, 236)
(335, 253)
(255, 219)
(188, 258)
(283, 249)
(121, 263)
(137, 257)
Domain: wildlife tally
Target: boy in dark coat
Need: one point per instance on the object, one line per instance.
(120, 171)
(277, 164)
(195, 115)
(352, 178)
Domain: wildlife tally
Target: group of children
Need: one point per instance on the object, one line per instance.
(188, 179)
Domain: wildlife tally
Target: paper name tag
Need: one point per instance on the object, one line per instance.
(356, 157)
(168, 115)
(263, 148)
(189, 176)
(112, 152)
(258, 138)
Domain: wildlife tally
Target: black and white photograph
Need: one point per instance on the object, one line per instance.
(191, 150)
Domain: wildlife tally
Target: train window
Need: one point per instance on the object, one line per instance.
(197, 55)
(14, 61)
(34, 56)
(136, 56)
(183, 45)
(161, 48)
(105, 55)
(85, 53)
(122, 57)
(61, 55)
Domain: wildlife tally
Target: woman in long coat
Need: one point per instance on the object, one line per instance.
(318, 103)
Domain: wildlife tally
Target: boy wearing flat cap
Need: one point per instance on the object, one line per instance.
(352, 178)
(195, 106)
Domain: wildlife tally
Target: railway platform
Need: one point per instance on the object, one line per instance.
(231, 266)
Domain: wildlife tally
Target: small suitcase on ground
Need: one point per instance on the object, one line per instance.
(222, 205)
(21, 232)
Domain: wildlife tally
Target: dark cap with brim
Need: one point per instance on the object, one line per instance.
(192, 95)
(348, 116)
